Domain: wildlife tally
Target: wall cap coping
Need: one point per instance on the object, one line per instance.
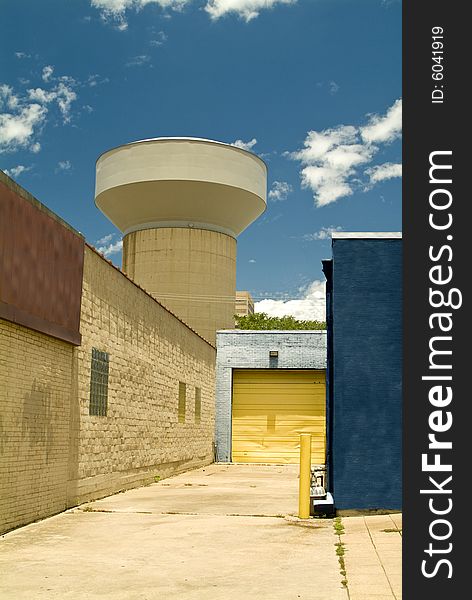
(341, 235)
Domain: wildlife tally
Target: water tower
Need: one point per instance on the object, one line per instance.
(181, 203)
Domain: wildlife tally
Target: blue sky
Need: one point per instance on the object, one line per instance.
(312, 86)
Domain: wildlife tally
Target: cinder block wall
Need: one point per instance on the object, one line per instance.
(35, 402)
(150, 352)
(247, 349)
(53, 453)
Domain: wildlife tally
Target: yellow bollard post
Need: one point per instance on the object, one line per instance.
(305, 476)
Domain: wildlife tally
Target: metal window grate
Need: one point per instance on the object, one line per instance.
(182, 393)
(198, 405)
(99, 383)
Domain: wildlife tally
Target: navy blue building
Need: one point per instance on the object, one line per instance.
(364, 412)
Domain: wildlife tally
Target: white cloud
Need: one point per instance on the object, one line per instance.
(64, 165)
(115, 248)
(62, 93)
(388, 3)
(159, 39)
(245, 145)
(17, 130)
(22, 55)
(7, 98)
(17, 171)
(65, 97)
(47, 72)
(138, 61)
(23, 115)
(311, 306)
(246, 9)
(383, 172)
(40, 95)
(94, 80)
(332, 160)
(105, 239)
(322, 234)
(107, 247)
(114, 11)
(280, 190)
(333, 87)
(251, 260)
(386, 128)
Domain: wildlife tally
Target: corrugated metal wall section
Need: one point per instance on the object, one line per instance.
(41, 266)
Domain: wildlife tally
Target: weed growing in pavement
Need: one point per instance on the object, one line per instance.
(338, 526)
(393, 530)
(340, 549)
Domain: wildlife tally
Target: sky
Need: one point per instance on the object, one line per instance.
(311, 86)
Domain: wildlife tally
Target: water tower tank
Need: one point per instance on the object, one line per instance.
(181, 203)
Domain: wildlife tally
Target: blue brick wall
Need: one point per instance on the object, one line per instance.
(366, 396)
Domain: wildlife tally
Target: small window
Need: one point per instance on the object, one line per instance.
(198, 405)
(182, 392)
(99, 383)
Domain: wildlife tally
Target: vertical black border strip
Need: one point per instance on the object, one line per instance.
(439, 126)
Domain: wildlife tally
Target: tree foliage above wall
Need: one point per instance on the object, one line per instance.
(264, 321)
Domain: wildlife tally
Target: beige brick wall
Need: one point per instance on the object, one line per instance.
(35, 394)
(53, 454)
(150, 352)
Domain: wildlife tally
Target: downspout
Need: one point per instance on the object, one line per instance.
(328, 271)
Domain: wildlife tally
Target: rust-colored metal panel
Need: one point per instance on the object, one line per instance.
(41, 267)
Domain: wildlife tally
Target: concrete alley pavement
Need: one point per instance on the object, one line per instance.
(223, 532)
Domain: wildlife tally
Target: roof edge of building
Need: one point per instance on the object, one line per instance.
(340, 235)
(281, 331)
(15, 187)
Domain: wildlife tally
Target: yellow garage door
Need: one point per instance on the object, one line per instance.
(270, 410)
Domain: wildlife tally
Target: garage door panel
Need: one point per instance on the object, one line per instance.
(297, 412)
(294, 422)
(276, 401)
(254, 375)
(283, 441)
(293, 386)
(284, 431)
(270, 410)
(277, 392)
